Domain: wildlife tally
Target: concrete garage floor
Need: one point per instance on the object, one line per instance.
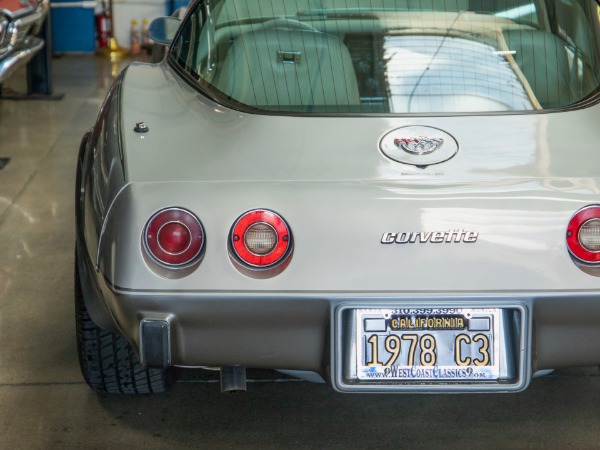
(44, 402)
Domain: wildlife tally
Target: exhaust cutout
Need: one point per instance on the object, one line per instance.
(233, 379)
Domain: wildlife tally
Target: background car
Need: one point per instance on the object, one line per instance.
(386, 196)
(20, 22)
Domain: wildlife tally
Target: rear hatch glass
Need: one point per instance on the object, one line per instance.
(392, 56)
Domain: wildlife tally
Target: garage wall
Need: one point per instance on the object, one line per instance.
(73, 24)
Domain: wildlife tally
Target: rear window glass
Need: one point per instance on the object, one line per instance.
(392, 56)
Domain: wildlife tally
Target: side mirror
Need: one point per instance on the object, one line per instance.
(162, 30)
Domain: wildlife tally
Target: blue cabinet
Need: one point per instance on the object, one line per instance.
(73, 26)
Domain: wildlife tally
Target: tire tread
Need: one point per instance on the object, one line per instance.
(107, 360)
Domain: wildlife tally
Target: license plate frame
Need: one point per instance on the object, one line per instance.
(507, 335)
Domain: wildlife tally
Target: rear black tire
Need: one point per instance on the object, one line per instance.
(107, 360)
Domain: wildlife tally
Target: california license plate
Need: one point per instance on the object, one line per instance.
(428, 344)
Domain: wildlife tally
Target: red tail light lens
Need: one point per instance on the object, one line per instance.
(174, 237)
(583, 235)
(261, 238)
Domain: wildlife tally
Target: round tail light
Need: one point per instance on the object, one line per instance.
(260, 238)
(174, 238)
(583, 235)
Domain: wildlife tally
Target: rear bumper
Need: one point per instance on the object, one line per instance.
(19, 56)
(272, 331)
(297, 330)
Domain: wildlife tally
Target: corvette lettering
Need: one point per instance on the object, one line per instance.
(433, 237)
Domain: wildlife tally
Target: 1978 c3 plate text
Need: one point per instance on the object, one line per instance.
(446, 344)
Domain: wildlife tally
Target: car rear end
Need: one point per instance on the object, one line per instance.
(427, 226)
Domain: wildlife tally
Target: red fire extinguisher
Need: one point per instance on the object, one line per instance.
(103, 27)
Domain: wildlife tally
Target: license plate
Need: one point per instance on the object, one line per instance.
(428, 344)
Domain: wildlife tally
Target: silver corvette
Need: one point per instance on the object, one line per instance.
(385, 195)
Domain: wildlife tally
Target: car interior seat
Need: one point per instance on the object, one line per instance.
(573, 23)
(406, 5)
(283, 66)
(542, 58)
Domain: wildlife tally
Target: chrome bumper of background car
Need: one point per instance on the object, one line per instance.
(19, 56)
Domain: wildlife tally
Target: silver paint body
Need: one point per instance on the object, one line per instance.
(517, 180)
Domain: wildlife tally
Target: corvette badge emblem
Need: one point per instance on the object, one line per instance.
(420, 145)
